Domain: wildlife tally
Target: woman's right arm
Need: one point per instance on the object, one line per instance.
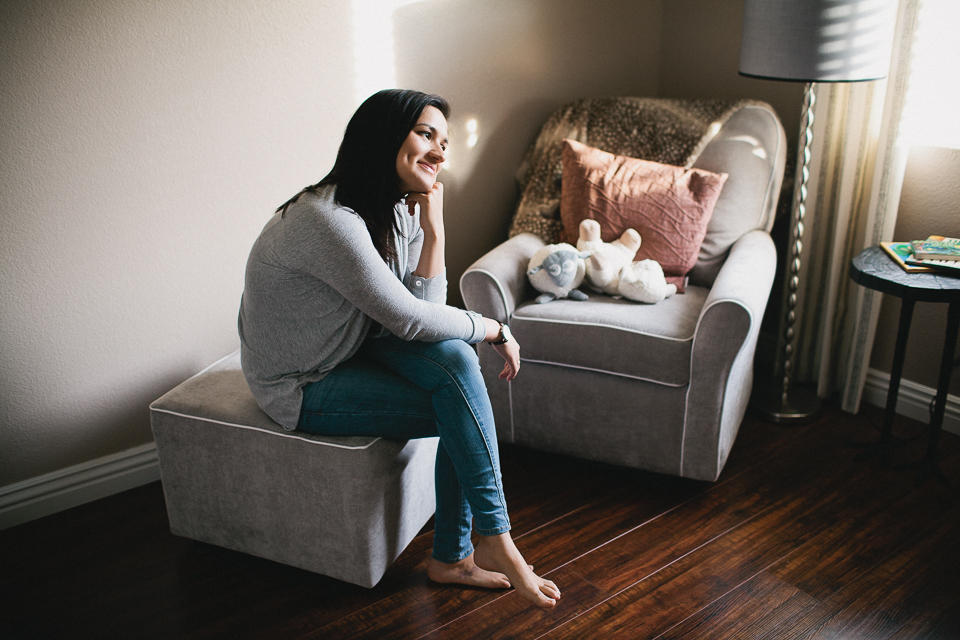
(335, 248)
(333, 245)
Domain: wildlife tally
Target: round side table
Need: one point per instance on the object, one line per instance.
(874, 269)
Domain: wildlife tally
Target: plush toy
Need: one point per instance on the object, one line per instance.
(643, 281)
(606, 258)
(611, 270)
(557, 270)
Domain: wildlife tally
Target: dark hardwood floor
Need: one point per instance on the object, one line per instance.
(797, 539)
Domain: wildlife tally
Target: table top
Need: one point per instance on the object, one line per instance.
(874, 269)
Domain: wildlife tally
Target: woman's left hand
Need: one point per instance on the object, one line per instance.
(510, 352)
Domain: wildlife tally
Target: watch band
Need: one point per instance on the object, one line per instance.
(504, 334)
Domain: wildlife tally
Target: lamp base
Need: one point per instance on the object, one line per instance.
(802, 405)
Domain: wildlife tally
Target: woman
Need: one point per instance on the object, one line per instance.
(344, 329)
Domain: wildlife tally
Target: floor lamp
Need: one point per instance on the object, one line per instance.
(809, 41)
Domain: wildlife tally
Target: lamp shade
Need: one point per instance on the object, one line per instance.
(817, 40)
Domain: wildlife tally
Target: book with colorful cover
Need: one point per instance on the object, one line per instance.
(951, 267)
(936, 248)
(901, 252)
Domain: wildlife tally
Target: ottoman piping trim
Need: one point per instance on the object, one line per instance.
(612, 373)
(268, 431)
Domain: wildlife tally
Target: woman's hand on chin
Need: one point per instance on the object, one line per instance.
(432, 261)
(431, 208)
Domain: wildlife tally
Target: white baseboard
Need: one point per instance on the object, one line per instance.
(73, 486)
(913, 400)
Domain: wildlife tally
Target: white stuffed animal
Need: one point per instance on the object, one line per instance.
(610, 268)
(643, 281)
(557, 270)
(606, 258)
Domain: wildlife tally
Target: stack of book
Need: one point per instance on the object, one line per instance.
(935, 254)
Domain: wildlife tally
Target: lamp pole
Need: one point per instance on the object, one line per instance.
(809, 41)
(793, 405)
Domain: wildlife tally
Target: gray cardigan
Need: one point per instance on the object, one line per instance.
(315, 286)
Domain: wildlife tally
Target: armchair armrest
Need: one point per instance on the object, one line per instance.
(496, 283)
(721, 368)
(734, 307)
(746, 276)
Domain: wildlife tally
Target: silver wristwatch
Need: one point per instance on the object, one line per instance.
(505, 335)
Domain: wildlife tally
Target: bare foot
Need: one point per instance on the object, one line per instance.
(499, 553)
(465, 572)
(480, 563)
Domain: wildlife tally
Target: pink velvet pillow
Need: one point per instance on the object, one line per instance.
(669, 206)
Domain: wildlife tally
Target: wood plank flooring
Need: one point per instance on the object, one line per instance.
(797, 539)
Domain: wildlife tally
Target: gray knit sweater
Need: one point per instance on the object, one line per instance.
(315, 286)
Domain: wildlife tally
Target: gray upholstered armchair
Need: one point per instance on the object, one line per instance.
(661, 387)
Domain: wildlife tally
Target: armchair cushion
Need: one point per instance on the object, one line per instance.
(619, 337)
(669, 206)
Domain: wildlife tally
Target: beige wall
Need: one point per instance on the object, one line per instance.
(701, 57)
(145, 143)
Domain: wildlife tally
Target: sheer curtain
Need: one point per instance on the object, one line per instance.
(857, 166)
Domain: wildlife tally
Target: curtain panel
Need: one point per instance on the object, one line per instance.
(856, 173)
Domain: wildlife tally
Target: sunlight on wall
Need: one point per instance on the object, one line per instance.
(375, 65)
(373, 45)
(933, 99)
(473, 136)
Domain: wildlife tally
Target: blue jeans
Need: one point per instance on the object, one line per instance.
(403, 390)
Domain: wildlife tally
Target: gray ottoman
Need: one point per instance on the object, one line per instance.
(343, 507)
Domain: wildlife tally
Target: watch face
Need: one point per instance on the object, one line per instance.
(507, 336)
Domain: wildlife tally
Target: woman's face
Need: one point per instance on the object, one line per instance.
(423, 152)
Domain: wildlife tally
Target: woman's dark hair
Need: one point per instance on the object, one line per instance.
(365, 172)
